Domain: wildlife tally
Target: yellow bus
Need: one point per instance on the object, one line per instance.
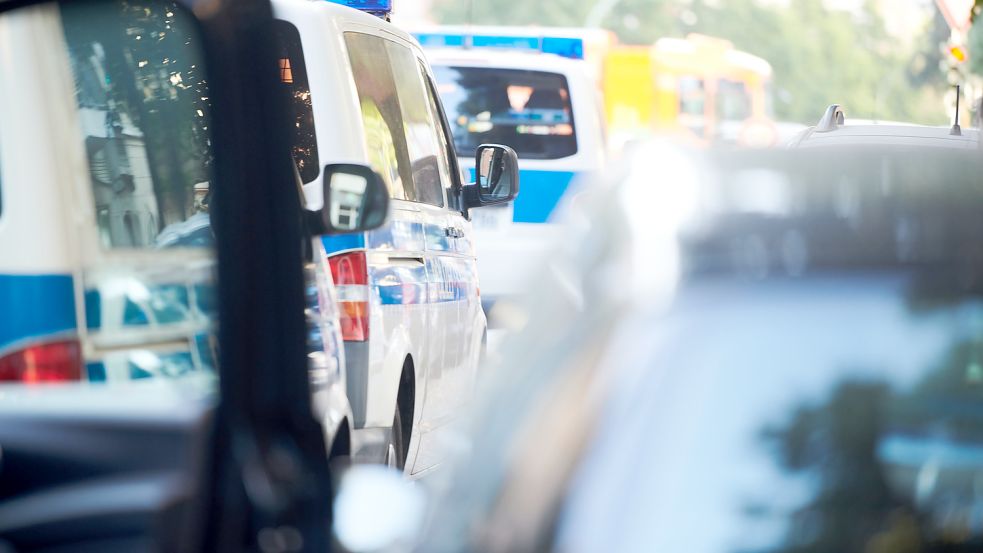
(699, 88)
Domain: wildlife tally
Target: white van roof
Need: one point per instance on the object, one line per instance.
(339, 12)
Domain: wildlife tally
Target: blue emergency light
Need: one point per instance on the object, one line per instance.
(380, 8)
(567, 47)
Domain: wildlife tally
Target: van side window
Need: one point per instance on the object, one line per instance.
(429, 170)
(293, 76)
(382, 117)
(143, 108)
(444, 146)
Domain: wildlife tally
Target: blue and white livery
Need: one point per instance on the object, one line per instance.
(409, 296)
(106, 249)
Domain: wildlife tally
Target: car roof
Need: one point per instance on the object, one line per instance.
(770, 256)
(888, 134)
(344, 13)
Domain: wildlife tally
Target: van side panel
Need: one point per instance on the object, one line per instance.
(35, 306)
(38, 253)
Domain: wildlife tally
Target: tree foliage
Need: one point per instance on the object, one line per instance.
(820, 56)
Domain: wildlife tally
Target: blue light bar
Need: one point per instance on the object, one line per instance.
(567, 47)
(437, 40)
(516, 42)
(380, 8)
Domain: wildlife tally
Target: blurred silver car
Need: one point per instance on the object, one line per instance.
(777, 351)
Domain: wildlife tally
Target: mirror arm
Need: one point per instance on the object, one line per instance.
(314, 223)
(312, 228)
(471, 196)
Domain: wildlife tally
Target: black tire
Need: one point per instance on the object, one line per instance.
(396, 450)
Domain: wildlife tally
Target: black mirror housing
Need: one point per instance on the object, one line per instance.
(356, 199)
(496, 176)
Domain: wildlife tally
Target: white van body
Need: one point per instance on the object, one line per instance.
(511, 240)
(95, 278)
(416, 328)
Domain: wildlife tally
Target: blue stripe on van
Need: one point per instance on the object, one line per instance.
(440, 279)
(539, 194)
(334, 243)
(35, 306)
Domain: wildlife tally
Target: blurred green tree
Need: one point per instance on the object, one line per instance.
(820, 56)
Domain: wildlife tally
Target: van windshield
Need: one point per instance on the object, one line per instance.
(529, 111)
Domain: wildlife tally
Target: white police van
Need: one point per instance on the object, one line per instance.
(533, 92)
(106, 248)
(411, 312)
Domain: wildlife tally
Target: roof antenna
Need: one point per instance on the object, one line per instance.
(956, 129)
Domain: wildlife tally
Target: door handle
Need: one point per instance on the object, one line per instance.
(412, 260)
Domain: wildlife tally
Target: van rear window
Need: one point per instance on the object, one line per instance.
(144, 112)
(529, 111)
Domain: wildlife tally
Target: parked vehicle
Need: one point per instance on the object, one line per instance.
(410, 309)
(131, 420)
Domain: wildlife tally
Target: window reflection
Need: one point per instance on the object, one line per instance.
(293, 74)
(143, 103)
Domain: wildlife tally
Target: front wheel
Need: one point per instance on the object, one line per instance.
(395, 456)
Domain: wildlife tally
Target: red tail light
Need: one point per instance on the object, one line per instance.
(351, 279)
(48, 362)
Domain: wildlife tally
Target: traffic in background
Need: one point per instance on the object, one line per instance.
(252, 252)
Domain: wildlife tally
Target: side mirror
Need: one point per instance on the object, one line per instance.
(497, 176)
(355, 199)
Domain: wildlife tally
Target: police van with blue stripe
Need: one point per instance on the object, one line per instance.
(107, 253)
(533, 91)
(409, 292)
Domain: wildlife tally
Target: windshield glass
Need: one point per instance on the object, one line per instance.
(526, 110)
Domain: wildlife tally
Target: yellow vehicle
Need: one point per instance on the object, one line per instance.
(700, 88)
